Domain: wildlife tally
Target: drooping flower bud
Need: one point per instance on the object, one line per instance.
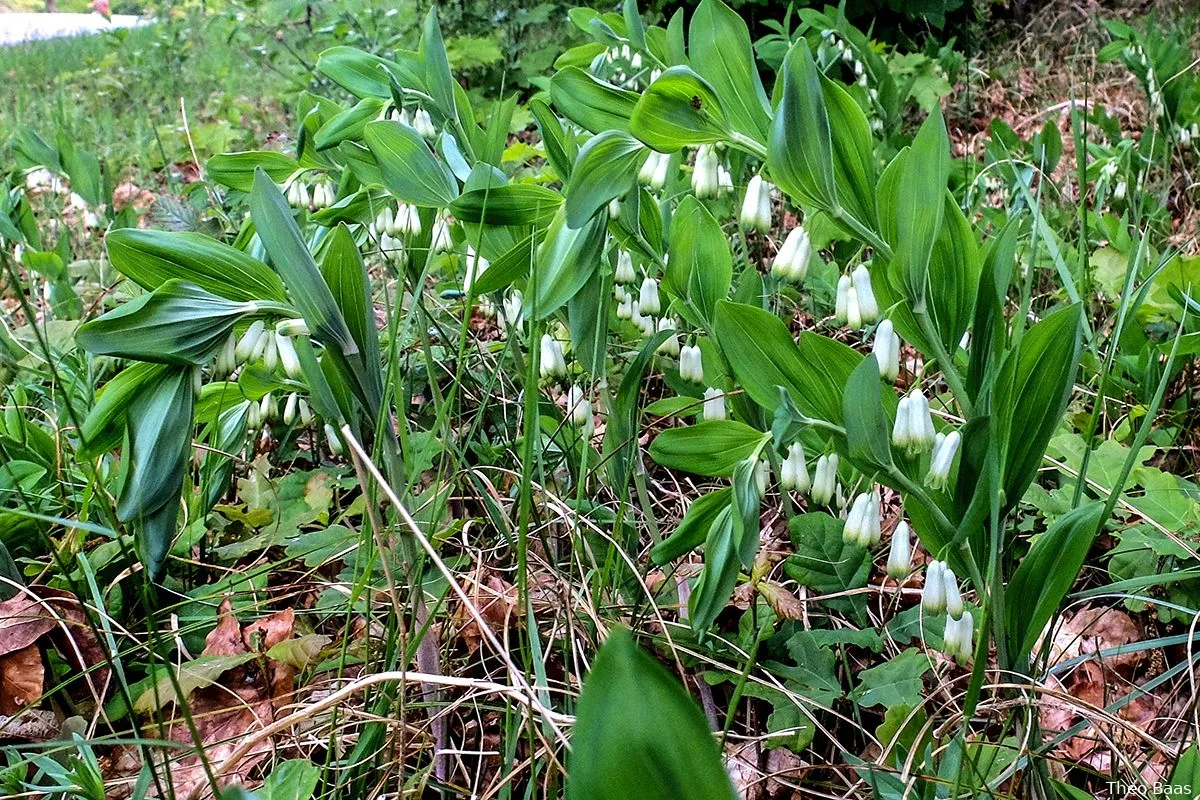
(226, 361)
(724, 180)
(691, 363)
(942, 460)
(824, 485)
(867, 304)
(614, 208)
(958, 641)
(441, 241)
(856, 530)
(624, 272)
(251, 342)
(288, 358)
(756, 206)
(407, 221)
(886, 348)
(762, 474)
(476, 266)
(902, 429)
(933, 595)
(704, 173)
(954, 601)
(579, 408)
(625, 307)
(423, 124)
(714, 404)
(514, 301)
(920, 424)
(334, 439)
(793, 472)
(670, 345)
(290, 407)
(654, 171)
(841, 307)
(791, 262)
(553, 364)
(648, 300)
(900, 555)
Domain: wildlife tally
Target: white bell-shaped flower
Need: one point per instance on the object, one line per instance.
(933, 595)
(704, 172)
(791, 262)
(868, 306)
(714, 404)
(579, 408)
(624, 272)
(648, 300)
(824, 485)
(793, 471)
(945, 449)
(756, 205)
(252, 344)
(288, 359)
(900, 554)
(954, 601)
(691, 363)
(841, 306)
(423, 124)
(886, 348)
(552, 364)
(670, 345)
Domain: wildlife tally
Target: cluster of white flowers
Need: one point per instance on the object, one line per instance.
(793, 471)
(886, 349)
(941, 594)
(654, 170)
(791, 261)
(845, 52)
(863, 522)
(714, 404)
(824, 484)
(321, 195)
(855, 304)
(579, 411)
(691, 363)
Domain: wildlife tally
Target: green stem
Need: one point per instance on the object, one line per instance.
(949, 370)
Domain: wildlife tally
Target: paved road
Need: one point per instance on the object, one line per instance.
(17, 28)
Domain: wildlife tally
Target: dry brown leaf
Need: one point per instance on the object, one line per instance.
(244, 701)
(781, 601)
(76, 641)
(496, 601)
(21, 679)
(23, 620)
(741, 762)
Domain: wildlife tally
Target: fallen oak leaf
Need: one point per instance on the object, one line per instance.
(23, 620)
(22, 679)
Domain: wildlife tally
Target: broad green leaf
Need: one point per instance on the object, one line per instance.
(604, 170)
(677, 110)
(1046, 574)
(711, 448)
(800, 153)
(198, 673)
(638, 734)
(346, 274)
(296, 779)
(587, 318)
(409, 168)
(893, 683)
(156, 455)
(701, 268)
(988, 333)
(1031, 394)
(1186, 775)
(868, 429)
(178, 323)
(591, 103)
(282, 240)
(722, 55)
(717, 580)
(635, 31)
(566, 260)
(236, 170)
(150, 258)
(361, 163)
(693, 528)
(559, 150)
(349, 124)
(853, 158)
(822, 561)
(439, 83)
(103, 427)
(366, 75)
(920, 207)
(759, 348)
(83, 168)
(514, 264)
(515, 204)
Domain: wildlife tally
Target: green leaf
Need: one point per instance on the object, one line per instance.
(868, 429)
(1031, 394)
(558, 149)
(438, 80)
(591, 103)
(513, 264)
(920, 206)
(700, 270)
(620, 437)
(366, 75)
(349, 124)
(83, 168)
(178, 323)
(346, 275)
(409, 168)
(722, 55)
(711, 448)
(717, 580)
(693, 528)
(1046, 574)
(566, 260)
(604, 170)
(156, 457)
(150, 258)
(236, 170)
(759, 348)
(587, 317)
(822, 561)
(296, 779)
(102, 429)
(677, 110)
(638, 734)
(198, 673)
(514, 204)
(893, 683)
(281, 239)
(1186, 775)
(800, 153)
(988, 333)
